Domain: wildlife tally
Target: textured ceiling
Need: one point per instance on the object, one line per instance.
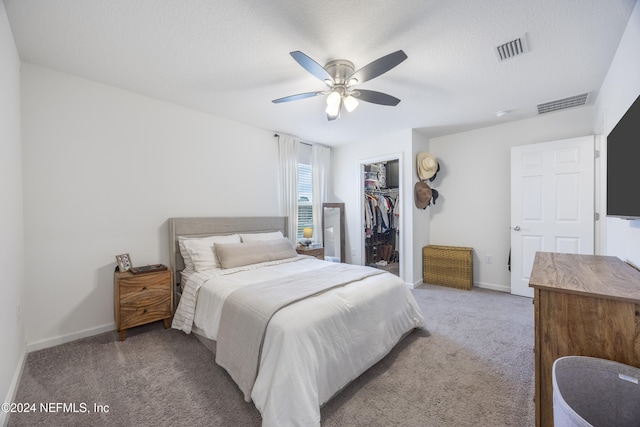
(231, 58)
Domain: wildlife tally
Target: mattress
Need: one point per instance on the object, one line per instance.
(312, 348)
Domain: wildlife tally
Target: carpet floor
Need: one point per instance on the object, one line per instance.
(471, 366)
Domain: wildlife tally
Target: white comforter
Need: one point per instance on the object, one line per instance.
(313, 348)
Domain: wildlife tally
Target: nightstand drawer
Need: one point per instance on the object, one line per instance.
(316, 252)
(134, 293)
(134, 315)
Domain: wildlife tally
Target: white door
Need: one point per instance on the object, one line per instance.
(552, 203)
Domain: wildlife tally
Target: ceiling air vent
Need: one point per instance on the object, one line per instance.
(562, 104)
(512, 49)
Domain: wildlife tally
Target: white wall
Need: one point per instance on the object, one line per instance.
(104, 170)
(11, 216)
(348, 187)
(474, 184)
(620, 88)
(421, 218)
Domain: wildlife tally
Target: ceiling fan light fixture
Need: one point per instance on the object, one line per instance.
(333, 113)
(334, 100)
(350, 103)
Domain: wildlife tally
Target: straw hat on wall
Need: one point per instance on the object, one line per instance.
(427, 165)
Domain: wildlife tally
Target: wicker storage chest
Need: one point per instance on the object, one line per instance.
(450, 266)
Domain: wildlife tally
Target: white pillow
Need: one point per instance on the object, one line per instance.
(186, 258)
(261, 237)
(238, 255)
(198, 252)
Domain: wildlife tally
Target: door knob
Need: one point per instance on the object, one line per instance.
(516, 228)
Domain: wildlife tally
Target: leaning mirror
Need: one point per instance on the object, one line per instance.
(333, 231)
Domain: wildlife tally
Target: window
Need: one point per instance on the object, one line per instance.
(305, 198)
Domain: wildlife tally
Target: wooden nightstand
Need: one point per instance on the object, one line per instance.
(142, 298)
(316, 252)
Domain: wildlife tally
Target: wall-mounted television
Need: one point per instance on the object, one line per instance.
(623, 166)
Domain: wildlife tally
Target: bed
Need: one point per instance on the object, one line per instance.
(291, 330)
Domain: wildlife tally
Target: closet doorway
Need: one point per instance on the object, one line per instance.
(380, 190)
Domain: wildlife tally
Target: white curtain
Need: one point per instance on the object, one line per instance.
(288, 179)
(320, 170)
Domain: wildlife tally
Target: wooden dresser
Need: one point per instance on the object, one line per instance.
(142, 298)
(584, 305)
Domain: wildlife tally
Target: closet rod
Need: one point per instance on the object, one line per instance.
(383, 191)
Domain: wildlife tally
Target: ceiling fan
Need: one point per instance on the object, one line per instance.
(340, 78)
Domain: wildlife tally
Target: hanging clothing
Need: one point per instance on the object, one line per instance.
(383, 205)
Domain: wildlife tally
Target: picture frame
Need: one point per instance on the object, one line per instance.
(124, 262)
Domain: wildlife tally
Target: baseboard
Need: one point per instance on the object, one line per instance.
(52, 342)
(493, 287)
(414, 284)
(13, 388)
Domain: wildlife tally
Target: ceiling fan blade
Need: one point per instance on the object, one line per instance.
(311, 66)
(376, 97)
(330, 117)
(296, 97)
(379, 66)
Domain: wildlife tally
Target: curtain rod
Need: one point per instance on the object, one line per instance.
(305, 143)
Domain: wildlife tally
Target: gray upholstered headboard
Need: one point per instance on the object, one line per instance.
(211, 226)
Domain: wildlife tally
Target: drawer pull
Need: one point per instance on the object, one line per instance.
(144, 311)
(144, 288)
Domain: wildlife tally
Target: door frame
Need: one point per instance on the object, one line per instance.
(380, 159)
(600, 195)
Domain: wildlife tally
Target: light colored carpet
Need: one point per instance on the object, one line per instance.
(471, 366)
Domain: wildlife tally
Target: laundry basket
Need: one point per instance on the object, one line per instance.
(595, 392)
